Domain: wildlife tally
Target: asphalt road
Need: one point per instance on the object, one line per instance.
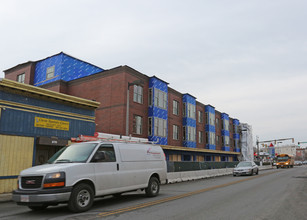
(273, 194)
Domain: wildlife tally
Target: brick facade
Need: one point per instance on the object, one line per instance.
(109, 87)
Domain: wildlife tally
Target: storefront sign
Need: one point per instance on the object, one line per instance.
(51, 124)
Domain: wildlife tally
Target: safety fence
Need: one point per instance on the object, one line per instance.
(180, 166)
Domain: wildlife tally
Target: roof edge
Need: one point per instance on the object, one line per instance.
(48, 93)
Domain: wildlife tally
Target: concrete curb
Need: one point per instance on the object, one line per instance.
(174, 177)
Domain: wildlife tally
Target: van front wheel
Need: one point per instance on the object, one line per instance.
(81, 198)
(153, 187)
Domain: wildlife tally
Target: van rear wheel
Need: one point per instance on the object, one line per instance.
(153, 187)
(81, 198)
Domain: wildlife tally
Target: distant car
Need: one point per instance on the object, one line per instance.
(305, 162)
(298, 163)
(246, 168)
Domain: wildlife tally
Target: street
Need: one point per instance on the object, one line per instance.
(273, 194)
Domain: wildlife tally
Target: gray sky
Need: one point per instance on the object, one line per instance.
(245, 57)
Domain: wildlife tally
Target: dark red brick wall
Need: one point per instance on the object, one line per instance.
(28, 69)
(200, 126)
(218, 130)
(57, 86)
(174, 119)
(110, 89)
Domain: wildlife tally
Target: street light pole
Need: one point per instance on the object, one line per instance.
(258, 153)
(138, 83)
(127, 111)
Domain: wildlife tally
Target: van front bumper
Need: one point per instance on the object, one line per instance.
(27, 197)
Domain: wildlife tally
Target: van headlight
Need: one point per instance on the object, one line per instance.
(53, 180)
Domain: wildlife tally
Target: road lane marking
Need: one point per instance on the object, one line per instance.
(156, 202)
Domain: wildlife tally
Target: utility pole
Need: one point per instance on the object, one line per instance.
(258, 153)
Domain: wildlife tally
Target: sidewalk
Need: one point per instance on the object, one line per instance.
(5, 197)
(175, 177)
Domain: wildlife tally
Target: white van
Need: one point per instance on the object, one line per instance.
(82, 171)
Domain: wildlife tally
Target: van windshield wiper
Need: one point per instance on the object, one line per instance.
(63, 161)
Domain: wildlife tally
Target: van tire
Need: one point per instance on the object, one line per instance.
(81, 198)
(153, 187)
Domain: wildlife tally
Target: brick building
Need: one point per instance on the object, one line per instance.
(187, 129)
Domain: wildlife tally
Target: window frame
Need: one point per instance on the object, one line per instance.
(200, 137)
(50, 74)
(160, 127)
(21, 77)
(175, 107)
(200, 117)
(160, 98)
(150, 126)
(105, 146)
(175, 132)
(150, 99)
(137, 127)
(138, 92)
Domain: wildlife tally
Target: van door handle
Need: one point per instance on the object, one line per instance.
(117, 166)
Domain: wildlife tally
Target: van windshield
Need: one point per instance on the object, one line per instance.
(76, 153)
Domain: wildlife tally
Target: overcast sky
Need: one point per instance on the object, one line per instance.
(245, 57)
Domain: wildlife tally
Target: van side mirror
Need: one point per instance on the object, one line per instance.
(99, 156)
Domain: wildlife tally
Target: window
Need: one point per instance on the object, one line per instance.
(160, 99)
(50, 72)
(210, 118)
(217, 140)
(137, 124)
(21, 78)
(105, 153)
(191, 111)
(235, 128)
(227, 141)
(189, 133)
(230, 128)
(226, 122)
(200, 116)
(160, 127)
(200, 137)
(138, 94)
(210, 138)
(175, 132)
(150, 97)
(175, 107)
(217, 122)
(149, 126)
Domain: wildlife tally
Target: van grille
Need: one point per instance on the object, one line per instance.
(31, 182)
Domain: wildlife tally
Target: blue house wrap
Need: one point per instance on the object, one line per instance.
(155, 111)
(66, 68)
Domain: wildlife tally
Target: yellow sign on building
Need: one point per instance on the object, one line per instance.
(51, 124)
